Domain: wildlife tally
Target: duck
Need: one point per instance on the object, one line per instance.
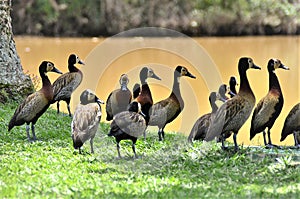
(270, 106)
(119, 99)
(232, 86)
(128, 125)
(34, 105)
(292, 125)
(65, 85)
(145, 96)
(165, 111)
(232, 115)
(200, 127)
(86, 119)
(232, 92)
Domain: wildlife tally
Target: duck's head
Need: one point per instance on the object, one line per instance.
(213, 97)
(183, 71)
(124, 80)
(246, 63)
(47, 66)
(89, 96)
(135, 107)
(74, 59)
(233, 81)
(273, 64)
(147, 72)
(223, 89)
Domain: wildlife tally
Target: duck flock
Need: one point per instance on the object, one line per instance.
(131, 112)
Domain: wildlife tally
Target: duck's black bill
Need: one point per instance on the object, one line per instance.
(56, 70)
(284, 67)
(256, 67)
(190, 75)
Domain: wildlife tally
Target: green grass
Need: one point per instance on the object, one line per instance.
(49, 168)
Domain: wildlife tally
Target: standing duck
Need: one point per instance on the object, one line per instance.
(86, 119)
(269, 107)
(292, 125)
(35, 104)
(232, 84)
(128, 125)
(165, 111)
(119, 99)
(145, 96)
(200, 128)
(64, 86)
(233, 113)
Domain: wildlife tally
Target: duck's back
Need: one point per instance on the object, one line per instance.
(66, 84)
(86, 120)
(131, 123)
(231, 116)
(292, 122)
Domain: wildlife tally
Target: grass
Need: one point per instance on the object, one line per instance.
(49, 168)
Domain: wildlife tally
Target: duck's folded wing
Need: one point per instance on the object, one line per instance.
(66, 84)
(225, 114)
(86, 117)
(159, 112)
(131, 123)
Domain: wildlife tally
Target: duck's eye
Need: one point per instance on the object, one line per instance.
(249, 61)
(49, 66)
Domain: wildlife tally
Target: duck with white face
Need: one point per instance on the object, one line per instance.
(35, 104)
(86, 119)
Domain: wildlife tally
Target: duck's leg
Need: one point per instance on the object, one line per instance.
(57, 106)
(270, 145)
(33, 132)
(265, 139)
(79, 149)
(159, 134)
(133, 147)
(92, 144)
(296, 140)
(118, 149)
(68, 106)
(27, 132)
(223, 142)
(236, 147)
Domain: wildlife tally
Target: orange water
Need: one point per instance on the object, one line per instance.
(212, 60)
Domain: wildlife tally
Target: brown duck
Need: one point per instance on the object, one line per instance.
(200, 127)
(145, 96)
(165, 111)
(292, 125)
(269, 107)
(118, 100)
(35, 104)
(64, 86)
(233, 113)
(128, 125)
(86, 119)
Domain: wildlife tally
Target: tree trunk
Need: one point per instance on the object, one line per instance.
(14, 84)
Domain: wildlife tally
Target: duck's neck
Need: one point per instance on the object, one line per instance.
(45, 80)
(232, 88)
(245, 88)
(214, 107)
(72, 68)
(273, 81)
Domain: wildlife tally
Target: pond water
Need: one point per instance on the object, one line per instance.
(212, 59)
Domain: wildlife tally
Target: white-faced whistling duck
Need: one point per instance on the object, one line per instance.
(200, 127)
(119, 99)
(233, 113)
(64, 85)
(292, 125)
(232, 84)
(86, 119)
(269, 107)
(165, 111)
(145, 96)
(35, 104)
(128, 125)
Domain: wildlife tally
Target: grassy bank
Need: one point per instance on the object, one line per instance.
(48, 168)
